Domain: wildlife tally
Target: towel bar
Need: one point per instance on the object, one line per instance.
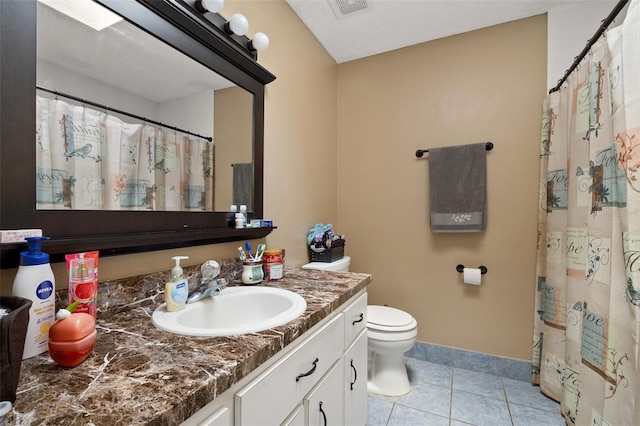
(483, 269)
(421, 152)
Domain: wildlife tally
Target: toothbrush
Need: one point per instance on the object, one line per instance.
(247, 247)
(260, 251)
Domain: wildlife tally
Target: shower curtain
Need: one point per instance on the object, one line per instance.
(587, 315)
(90, 160)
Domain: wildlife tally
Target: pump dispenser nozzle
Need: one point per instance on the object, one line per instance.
(177, 270)
(34, 256)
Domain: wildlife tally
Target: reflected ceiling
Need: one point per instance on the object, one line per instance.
(68, 44)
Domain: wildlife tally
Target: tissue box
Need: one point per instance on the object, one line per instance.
(18, 235)
(327, 256)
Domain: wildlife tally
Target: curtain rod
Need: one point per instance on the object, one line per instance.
(603, 27)
(128, 114)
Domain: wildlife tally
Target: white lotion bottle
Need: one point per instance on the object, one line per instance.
(35, 281)
(177, 289)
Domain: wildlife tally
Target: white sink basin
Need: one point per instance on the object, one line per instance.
(236, 310)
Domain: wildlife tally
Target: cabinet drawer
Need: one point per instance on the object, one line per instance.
(355, 319)
(269, 398)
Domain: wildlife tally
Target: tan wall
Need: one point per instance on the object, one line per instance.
(300, 127)
(485, 85)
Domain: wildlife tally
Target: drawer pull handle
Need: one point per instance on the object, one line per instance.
(359, 320)
(308, 373)
(324, 416)
(355, 375)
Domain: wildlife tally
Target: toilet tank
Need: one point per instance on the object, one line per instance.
(341, 265)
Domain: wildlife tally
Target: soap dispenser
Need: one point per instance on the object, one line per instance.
(177, 289)
(35, 281)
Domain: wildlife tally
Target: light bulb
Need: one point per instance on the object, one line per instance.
(260, 42)
(238, 24)
(213, 6)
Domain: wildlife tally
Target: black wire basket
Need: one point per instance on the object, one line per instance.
(328, 255)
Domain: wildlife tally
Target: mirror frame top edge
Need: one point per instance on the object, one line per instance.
(111, 232)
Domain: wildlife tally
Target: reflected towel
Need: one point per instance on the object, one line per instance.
(243, 185)
(458, 186)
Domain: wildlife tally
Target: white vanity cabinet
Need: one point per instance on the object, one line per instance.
(220, 417)
(323, 375)
(355, 381)
(324, 405)
(270, 398)
(296, 418)
(355, 362)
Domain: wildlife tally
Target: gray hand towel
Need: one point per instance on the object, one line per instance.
(458, 187)
(243, 185)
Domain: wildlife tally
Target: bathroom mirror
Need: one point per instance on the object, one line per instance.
(217, 69)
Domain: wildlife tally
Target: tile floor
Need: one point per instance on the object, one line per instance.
(442, 395)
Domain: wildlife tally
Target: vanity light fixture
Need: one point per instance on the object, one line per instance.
(260, 42)
(238, 24)
(213, 6)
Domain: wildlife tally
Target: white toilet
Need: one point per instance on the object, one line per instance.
(390, 333)
(338, 265)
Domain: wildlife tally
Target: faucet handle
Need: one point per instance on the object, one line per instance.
(209, 270)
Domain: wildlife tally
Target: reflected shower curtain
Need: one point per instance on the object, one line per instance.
(587, 316)
(89, 160)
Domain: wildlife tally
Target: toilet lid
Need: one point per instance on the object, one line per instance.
(385, 316)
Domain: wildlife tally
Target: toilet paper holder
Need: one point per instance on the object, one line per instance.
(483, 269)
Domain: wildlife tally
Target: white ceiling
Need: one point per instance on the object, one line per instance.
(384, 25)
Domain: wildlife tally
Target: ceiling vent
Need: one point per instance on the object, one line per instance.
(343, 8)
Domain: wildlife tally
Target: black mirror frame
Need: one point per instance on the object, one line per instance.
(115, 232)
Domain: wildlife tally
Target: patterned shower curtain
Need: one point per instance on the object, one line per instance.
(90, 160)
(587, 315)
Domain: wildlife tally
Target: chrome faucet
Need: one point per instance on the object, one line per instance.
(209, 286)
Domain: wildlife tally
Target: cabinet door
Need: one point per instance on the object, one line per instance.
(324, 406)
(355, 382)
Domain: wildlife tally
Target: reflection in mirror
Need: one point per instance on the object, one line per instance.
(233, 128)
(174, 22)
(100, 145)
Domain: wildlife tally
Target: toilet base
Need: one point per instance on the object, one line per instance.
(387, 375)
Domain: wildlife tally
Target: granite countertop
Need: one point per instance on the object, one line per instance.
(139, 374)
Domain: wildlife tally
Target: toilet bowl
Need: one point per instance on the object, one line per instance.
(390, 333)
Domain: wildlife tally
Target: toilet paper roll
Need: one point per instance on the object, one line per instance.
(472, 276)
